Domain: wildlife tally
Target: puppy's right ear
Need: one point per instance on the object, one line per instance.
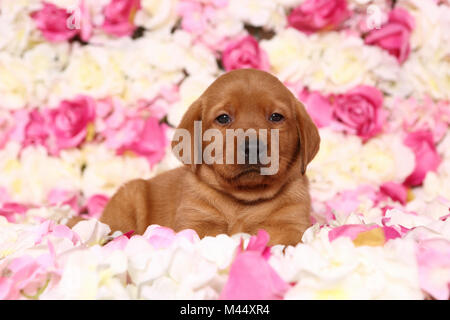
(187, 139)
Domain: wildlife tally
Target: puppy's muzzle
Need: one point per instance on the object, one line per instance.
(253, 151)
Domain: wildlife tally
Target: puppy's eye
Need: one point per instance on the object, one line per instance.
(276, 117)
(223, 119)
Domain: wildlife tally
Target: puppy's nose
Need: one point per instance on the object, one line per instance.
(253, 150)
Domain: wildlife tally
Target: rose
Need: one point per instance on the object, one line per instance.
(52, 22)
(394, 35)
(244, 53)
(36, 130)
(60, 197)
(359, 111)
(119, 16)
(316, 15)
(59, 24)
(319, 108)
(427, 157)
(149, 139)
(69, 123)
(193, 18)
(10, 209)
(95, 205)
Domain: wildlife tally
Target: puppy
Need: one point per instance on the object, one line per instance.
(222, 197)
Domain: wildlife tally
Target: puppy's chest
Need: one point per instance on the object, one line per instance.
(236, 217)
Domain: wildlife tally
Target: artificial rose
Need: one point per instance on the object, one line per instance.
(427, 157)
(69, 123)
(95, 205)
(319, 108)
(60, 197)
(245, 53)
(119, 17)
(35, 132)
(146, 137)
(318, 15)
(10, 209)
(394, 35)
(359, 111)
(193, 18)
(52, 21)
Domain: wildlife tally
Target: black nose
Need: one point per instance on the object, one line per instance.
(254, 149)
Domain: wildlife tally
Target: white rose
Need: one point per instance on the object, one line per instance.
(385, 158)
(17, 32)
(105, 172)
(157, 14)
(289, 54)
(16, 82)
(197, 58)
(92, 70)
(190, 89)
(339, 270)
(30, 178)
(90, 274)
(254, 12)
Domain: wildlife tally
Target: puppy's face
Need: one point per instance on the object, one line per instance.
(255, 133)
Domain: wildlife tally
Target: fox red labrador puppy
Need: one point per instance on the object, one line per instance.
(214, 197)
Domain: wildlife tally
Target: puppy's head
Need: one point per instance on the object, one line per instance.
(247, 135)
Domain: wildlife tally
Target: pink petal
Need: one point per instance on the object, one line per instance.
(349, 230)
(395, 191)
(251, 277)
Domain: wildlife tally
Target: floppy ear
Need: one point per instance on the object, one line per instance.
(308, 135)
(186, 129)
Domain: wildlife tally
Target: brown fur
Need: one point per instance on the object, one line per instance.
(228, 198)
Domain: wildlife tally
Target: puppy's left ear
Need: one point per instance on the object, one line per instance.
(187, 124)
(308, 135)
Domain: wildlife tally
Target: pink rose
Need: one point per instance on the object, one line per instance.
(10, 209)
(394, 35)
(319, 108)
(196, 15)
(244, 53)
(60, 197)
(193, 19)
(96, 204)
(119, 17)
(36, 131)
(69, 123)
(317, 15)
(52, 21)
(359, 111)
(427, 158)
(145, 137)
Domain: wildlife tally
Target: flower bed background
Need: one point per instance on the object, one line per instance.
(90, 92)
